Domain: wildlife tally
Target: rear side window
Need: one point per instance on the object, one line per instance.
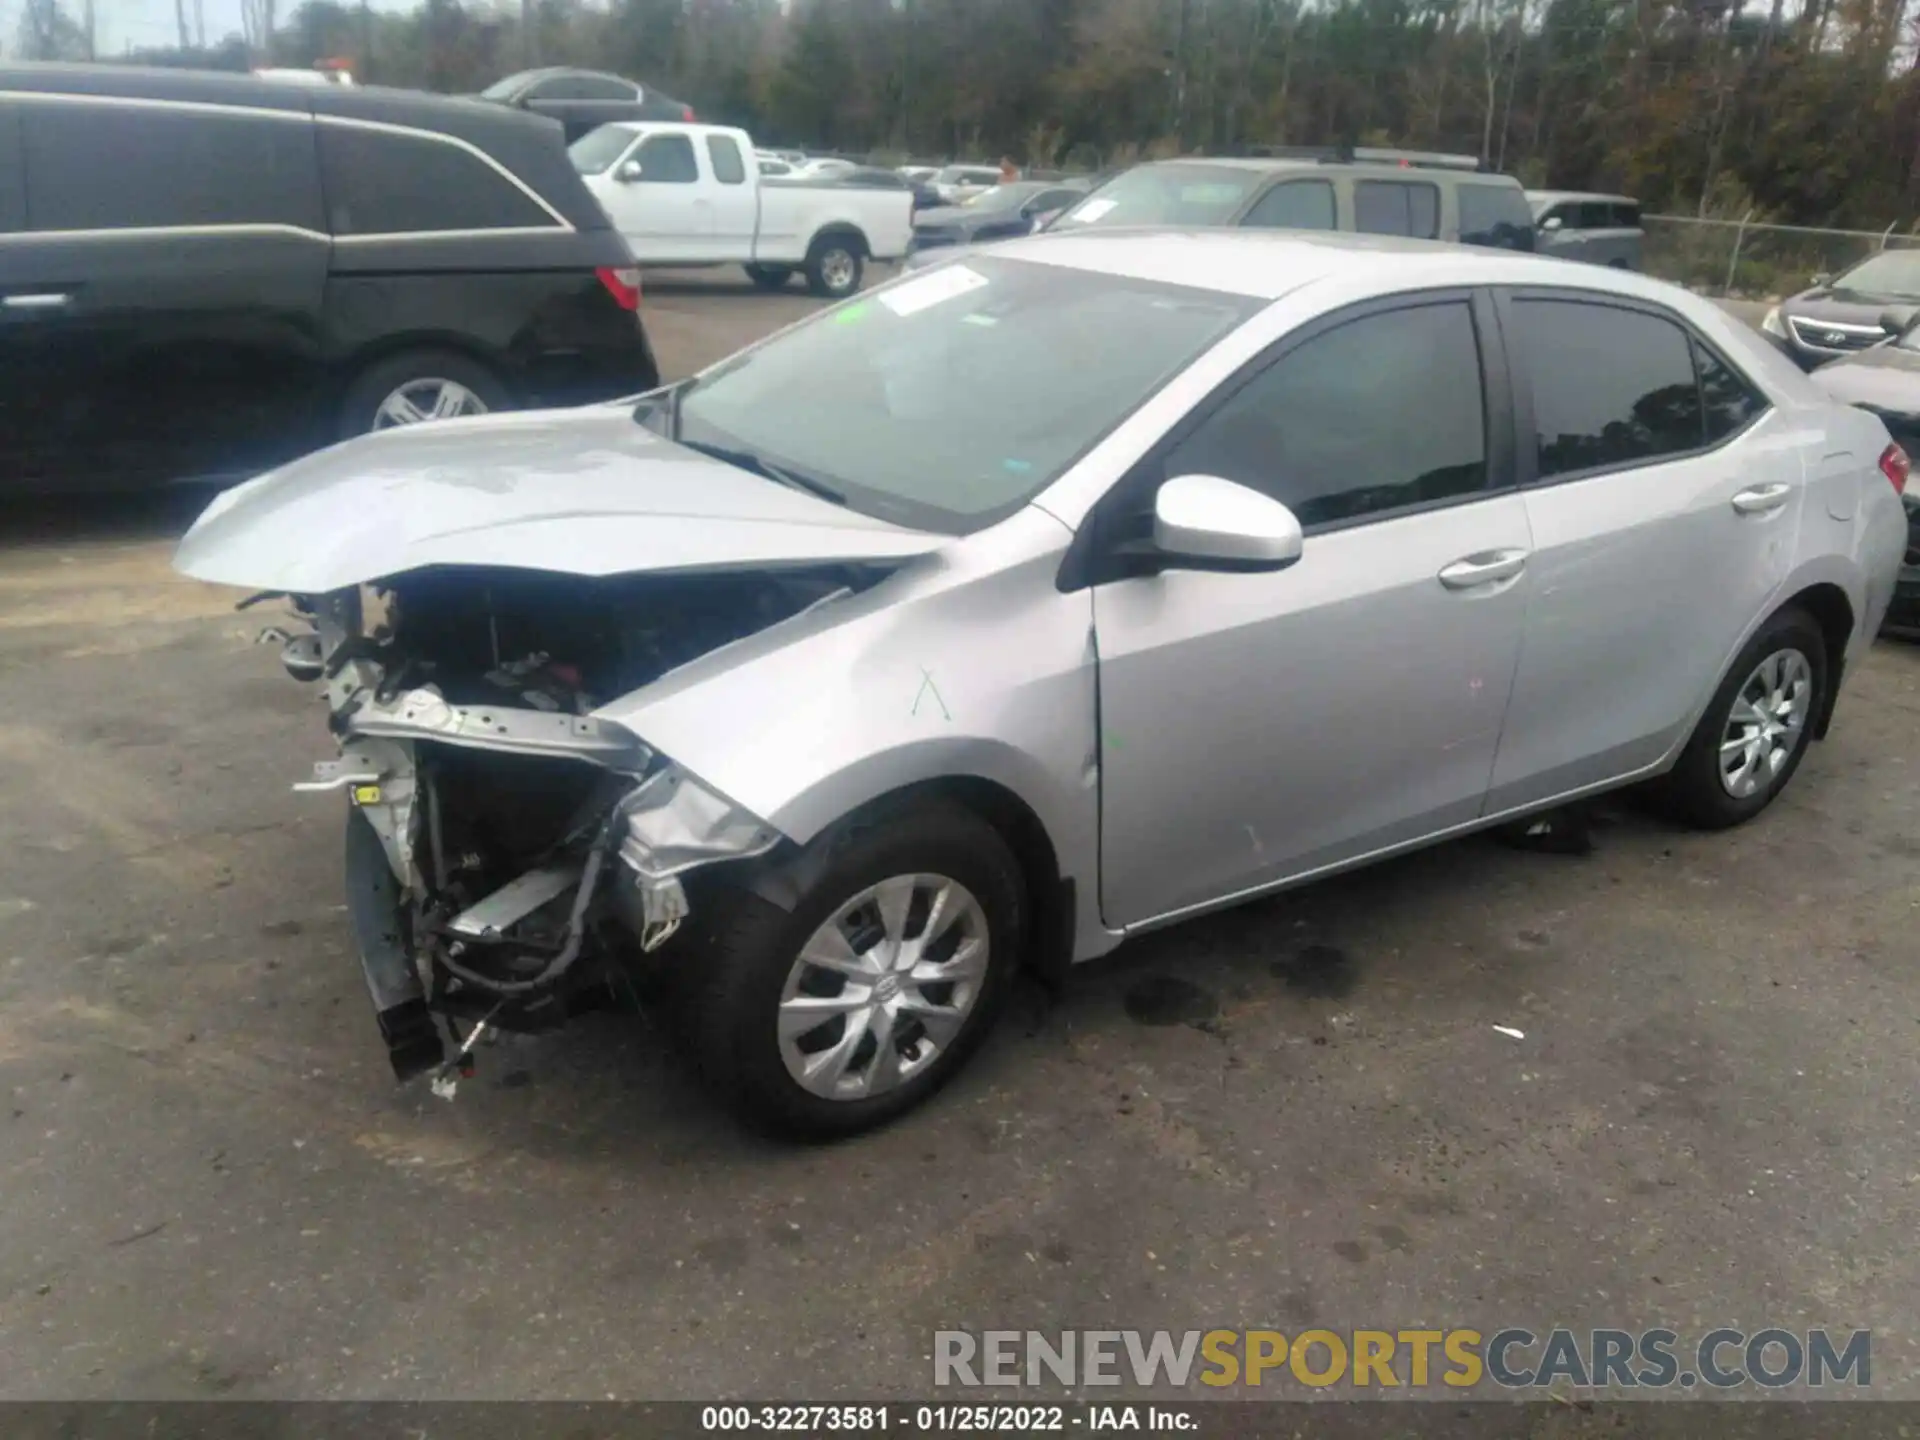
(581, 87)
(728, 168)
(1394, 207)
(1610, 386)
(1409, 380)
(101, 167)
(1731, 401)
(667, 160)
(1494, 215)
(1627, 217)
(1595, 215)
(379, 183)
(1295, 205)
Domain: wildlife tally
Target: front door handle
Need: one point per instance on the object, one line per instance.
(37, 300)
(1486, 568)
(1762, 499)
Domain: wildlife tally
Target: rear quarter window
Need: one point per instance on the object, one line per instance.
(1495, 215)
(104, 167)
(382, 183)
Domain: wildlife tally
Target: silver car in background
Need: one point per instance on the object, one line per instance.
(1599, 229)
(1273, 556)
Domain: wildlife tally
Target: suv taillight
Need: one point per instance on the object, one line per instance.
(624, 285)
(1895, 465)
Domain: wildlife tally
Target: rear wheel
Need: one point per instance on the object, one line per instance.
(870, 993)
(770, 277)
(1754, 732)
(419, 385)
(834, 267)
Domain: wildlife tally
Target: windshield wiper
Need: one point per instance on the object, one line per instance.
(766, 469)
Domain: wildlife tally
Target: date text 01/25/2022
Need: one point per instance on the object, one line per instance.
(962, 1419)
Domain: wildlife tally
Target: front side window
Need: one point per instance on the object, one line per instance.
(1396, 207)
(724, 155)
(1610, 386)
(1295, 205)
(1375, 415)
(667, 160)
(1167, 195)
(1043, 361)
(99, 167)
(379, 183)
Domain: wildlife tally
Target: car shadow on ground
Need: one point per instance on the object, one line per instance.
(109, 518)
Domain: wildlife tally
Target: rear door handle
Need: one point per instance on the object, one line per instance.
(1762, 498)
(37, 300)
(1486, 568)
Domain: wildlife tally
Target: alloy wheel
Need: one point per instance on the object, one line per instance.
(427, 398)
(881, 990)
(1766, 724)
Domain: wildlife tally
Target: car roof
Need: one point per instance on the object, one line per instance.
(1278, 164)
(526, 144)
(1266, 264)
(1554, 197)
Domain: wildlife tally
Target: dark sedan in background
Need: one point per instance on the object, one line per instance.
(1018, 208)
(584, 100)
(1886, 380)
(1846, 313)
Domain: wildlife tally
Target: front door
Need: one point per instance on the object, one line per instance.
(1261, 727)
(665, 211)
(1664, 509)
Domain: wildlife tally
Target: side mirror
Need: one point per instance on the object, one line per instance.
(1552, 223)
(1208, 523)
(1896, 321)
(629, 171)
(1823, 277)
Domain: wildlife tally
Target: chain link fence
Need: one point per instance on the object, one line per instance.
(1738, 259)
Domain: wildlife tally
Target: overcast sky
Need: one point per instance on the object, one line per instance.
(136, 24)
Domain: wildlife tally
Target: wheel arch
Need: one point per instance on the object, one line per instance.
(1832, 611)
(386, 347)
(841, 230)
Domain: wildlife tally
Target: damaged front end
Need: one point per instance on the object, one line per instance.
(510, 856)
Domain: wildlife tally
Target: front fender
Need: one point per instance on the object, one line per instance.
(967, 663)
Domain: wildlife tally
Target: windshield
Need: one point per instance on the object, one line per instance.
(593, 152)
(503, 89)
(947, 400)
(1166, 195)
(1891, 272)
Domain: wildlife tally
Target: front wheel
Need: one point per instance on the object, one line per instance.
(869, 994)
(1755, 730)
(834, 267)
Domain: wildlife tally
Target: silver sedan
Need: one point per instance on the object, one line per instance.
(1257, 558)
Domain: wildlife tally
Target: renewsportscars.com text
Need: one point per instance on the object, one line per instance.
(1513, 1358)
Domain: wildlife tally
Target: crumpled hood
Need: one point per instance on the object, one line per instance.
(579, 492)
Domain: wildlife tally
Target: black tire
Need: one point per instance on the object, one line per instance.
(738, 962)
(835, 266)
(1692, 792)
(770, 277)
(370, 389)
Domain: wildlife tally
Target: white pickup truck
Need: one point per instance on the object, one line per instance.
(688, 194)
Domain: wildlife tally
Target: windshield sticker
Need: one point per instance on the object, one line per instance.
(935, 288)
(1090, 210)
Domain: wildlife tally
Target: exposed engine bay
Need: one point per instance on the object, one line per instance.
(511, 857)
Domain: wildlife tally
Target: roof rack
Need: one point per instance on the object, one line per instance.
(1368, 155)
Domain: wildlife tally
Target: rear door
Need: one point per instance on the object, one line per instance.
(1663, 497)
(160, 302)
(582, 103)
(735, 184)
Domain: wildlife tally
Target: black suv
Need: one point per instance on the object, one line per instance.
(203, 276)
(584, 100)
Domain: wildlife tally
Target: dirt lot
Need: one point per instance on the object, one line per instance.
(1298, 1113)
